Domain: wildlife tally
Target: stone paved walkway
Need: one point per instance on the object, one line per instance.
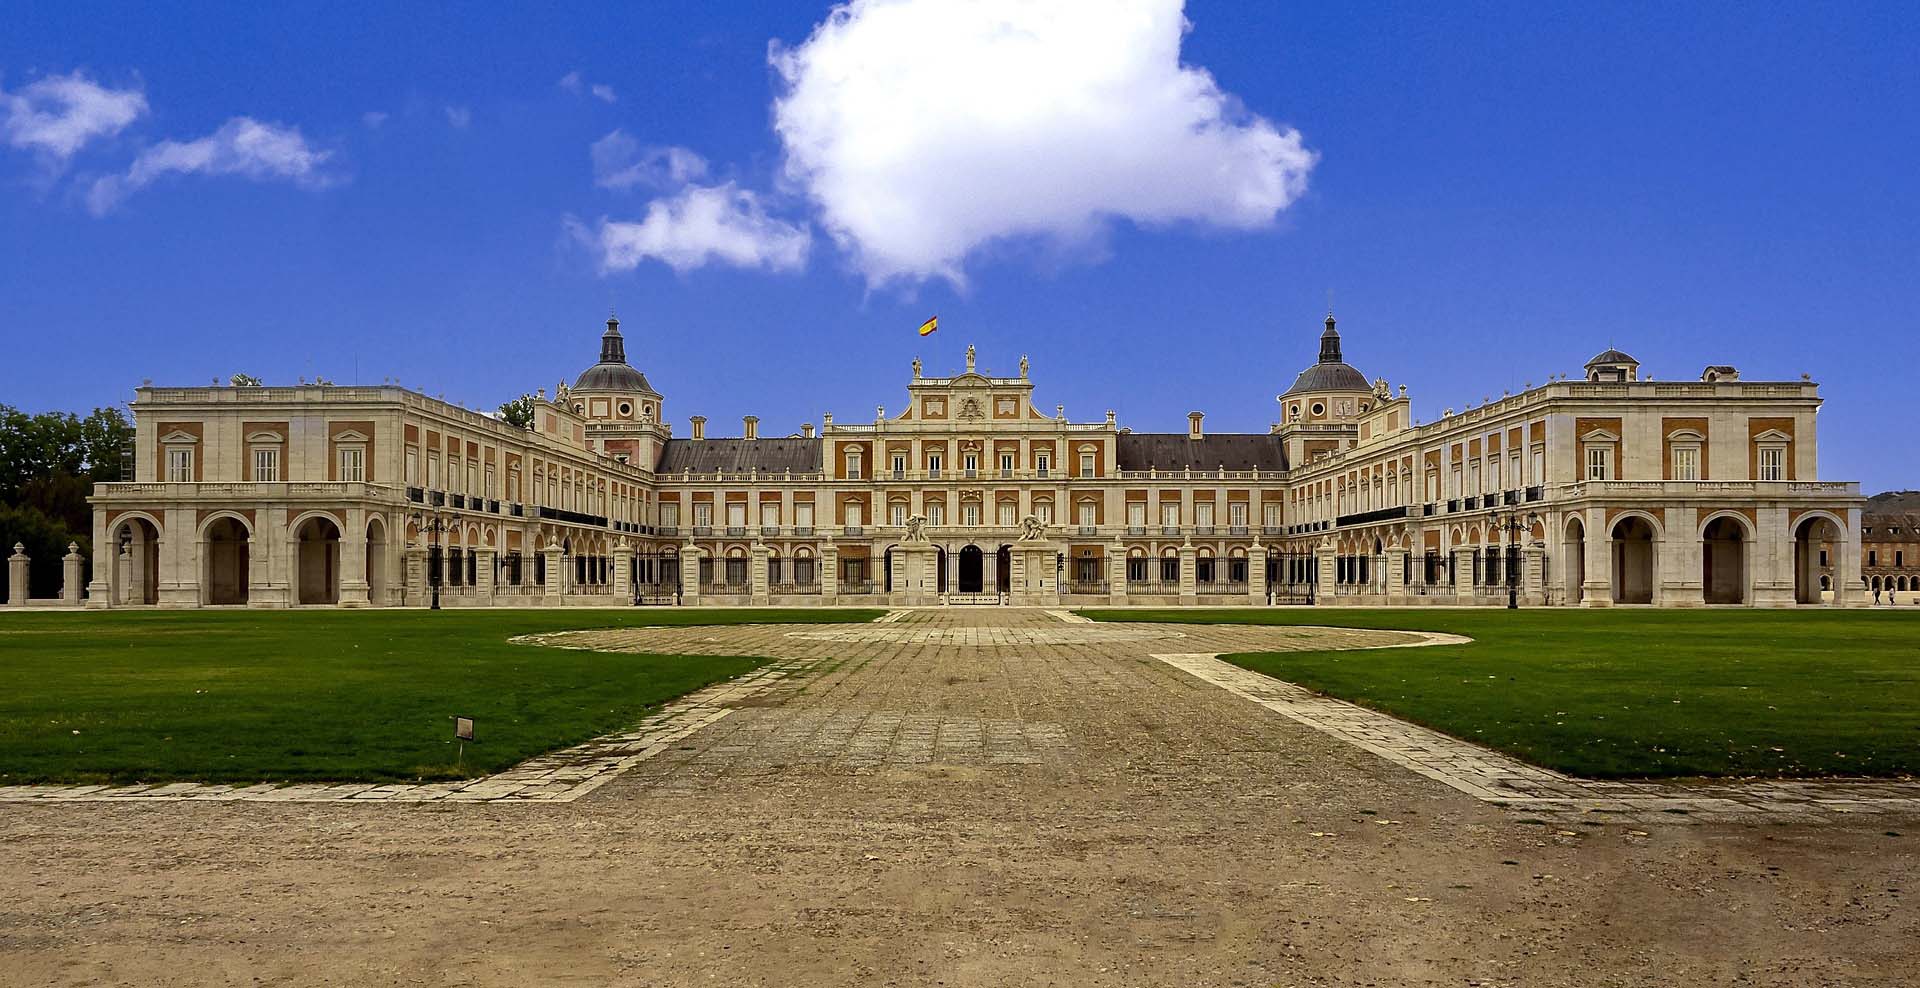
(856, 738)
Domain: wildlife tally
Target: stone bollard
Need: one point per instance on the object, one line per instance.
(17, 575)
(72, 565)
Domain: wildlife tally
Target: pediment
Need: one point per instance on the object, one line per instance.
(266, 437)
(1600, 436)
(350, 436)
(179, 436)
(1686, 436)
(1773, 436)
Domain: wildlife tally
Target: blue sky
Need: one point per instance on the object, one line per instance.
(1492, 193)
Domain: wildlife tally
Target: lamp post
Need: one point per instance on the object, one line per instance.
(433, 525)
(1512, 525)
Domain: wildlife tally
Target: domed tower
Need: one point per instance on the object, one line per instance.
(1330, 391)
(612, 390)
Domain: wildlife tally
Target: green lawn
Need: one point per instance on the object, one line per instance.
(1631, 693)
(254, 696)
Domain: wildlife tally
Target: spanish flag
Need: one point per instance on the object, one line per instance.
(927, 328)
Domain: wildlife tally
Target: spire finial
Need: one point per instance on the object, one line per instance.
(613, 349)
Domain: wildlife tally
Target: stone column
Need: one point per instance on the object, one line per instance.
(71, 566)
(556, 573)
(1849, 588)
(830, 573)
(353, 559)
(1117, 574)
(1678, 583)
(105, 557)
(690, 574)
(1395, 560)
(1257, 575)
(416, 576)
(1533, 577)
(1189, 577)
(483, 557)
(1324, 572)
(623, 570)
(1597, 589)
(757, 574)
(1463, 574)
(179, 567)
(1769, 560)
(17, 576)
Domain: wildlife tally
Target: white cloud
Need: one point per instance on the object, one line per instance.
(925, 130)
(459, 116)
(242, 146)
(720, 224)
(59, 114)
(373, 119)
(573, 83)
(620, 162)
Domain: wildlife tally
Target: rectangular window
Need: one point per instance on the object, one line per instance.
(489, 489)
(899, 514)
(266, 464)
(899, 465)
(853, 466)
(1086, 464)
(473, 480)
(1539, 465)
(933, 464)
(1599, 463)
(1237, 514)
(1686, 463)
(1270, 514)
(413, 467)
(853, 514)
(1087, 514)
(1170, 513)
(353, 463)
(180, 465)
(770, 513)
(433, 471)
(1042, 462)
(1043, 510)
(1006, 464)
(1203, 513)
(736, 514)
(1137, 514)
(970, 514)
(1513, 470)
(1007, 511)
(1473, 478)
(1493, 474)
(803, 514)
(1773, 463)
(971, 464)
(702, 514)
(936, 514)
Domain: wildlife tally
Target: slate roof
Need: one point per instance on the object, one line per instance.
(1174, 451)
(1611, 357)
(740, 455)
(613, 377)
(1330, 377)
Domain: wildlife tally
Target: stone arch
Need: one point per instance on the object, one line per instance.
(225, 546)
(376, 574)
(1726, 558)
(1810, 532)
(1574, 550)
(972, 569)
(136, 537)
(1634, 537)
(316, 555)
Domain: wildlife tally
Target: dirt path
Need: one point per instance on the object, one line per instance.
(981, 802)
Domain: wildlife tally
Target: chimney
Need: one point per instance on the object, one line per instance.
(806, 430)
(699, 426)
(752, 423)
(1193, 425)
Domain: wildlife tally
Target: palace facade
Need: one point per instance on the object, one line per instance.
(1609, 489)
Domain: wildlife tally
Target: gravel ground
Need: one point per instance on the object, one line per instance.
(983, 801)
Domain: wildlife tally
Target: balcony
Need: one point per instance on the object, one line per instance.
(803, 531)
(1203, 529)
(1089, 530)
(1136, 529)
(702, 530)
(1236, 529)
(1273, 530)
(736, 531)
(933, 473)
(769, 530)
(668, 531)
(852, 530)
(1170, 530)
(416, 495)
(970, 474)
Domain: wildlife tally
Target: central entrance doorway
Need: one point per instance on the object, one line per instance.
(971, 570)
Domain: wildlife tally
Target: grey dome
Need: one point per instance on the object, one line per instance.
(613, 373)
(1332, 373)
(1330, 377)
(1612, 356)
(612, 377)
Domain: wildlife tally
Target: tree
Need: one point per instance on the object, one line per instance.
(46, 541)
(48, 466)
(518, 412)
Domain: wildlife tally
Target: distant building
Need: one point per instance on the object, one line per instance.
(1610, 489)
(1890, 542)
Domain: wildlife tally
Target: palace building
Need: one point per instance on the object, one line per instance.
(1607, 489)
